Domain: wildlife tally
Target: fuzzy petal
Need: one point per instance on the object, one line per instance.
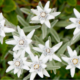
(47, 23)
(11, 42)
(70, 26)
(35, 18)
(40, 46)
(37, 49)
(16, 48)
(33, 74)
(2, 34)
(50, 17)
(9, 68)
(46, 73)
(25, 67)
(47, 43)
(55, 13)
(34, 11)
(66, 59)
(40, 74)
(68, 67)
(10, 62)
(39, 8)
(72, 70)
(1, 40)
(16, 71)
(1, 17)
(19, 73)
(76, 31)
(73, 20)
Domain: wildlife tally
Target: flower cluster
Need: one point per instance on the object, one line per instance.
(24, 52)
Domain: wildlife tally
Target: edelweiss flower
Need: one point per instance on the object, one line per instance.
(3, 29)
(21, 42)
(18, 64)
(73, 61)
(38, 67)
(75, 22)
(44, 15)
(48, 52)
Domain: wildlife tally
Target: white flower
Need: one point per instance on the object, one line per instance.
(75, 22)
(48, 52)
(73, 61)
(18, 64)
(1, 17)
(44, 15)
(38, 67)
(22, 41)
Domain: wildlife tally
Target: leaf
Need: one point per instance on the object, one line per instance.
(38, 39)
(53, 23)
(22, 21)
(44, 31)
(26, 11)
(30, 28)
(40, 4)
(56, 78)
(72, 2)
(55, 35)
(6, 78)
(9, 5)
(63, 23)
(53, 67)
(1, 2)
(27, 77)
(62, 49)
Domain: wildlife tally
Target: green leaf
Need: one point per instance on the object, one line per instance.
(53, 23)
(1, 2)
(63, 23)
(72, 2)
(30, 28)
(6, 78)
(27, 77)
(44, 31)
(12, 17)
(26, 11)
(22, 21)
(53, 67)
(56, 78)
(9, 5)
(62, 49)
(55, 35)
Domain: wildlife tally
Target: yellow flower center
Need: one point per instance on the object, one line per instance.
(43, 14)
(17, 63)
(48, 50)
(36, 66)
(79, 22)
(21, 42)
(75, 61)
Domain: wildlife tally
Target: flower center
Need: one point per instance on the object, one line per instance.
(36, 66)
(43, 14)
(75, 61)
(17, 63)
(21, 42)
(79, 22)
(48, 50)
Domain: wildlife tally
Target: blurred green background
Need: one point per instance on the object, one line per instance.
(10, 10)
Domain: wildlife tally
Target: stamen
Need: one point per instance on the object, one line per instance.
(21, 42)
(43, 14)
(17, 63)
(79, 22)
(48, 50)
(36, 66)
(75, 61)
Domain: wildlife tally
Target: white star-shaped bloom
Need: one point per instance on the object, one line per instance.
(3, 29)
(47, 51)
(22, 41)
(75, 22)
(73, 61)
(44, 15)
(38, 67)
(18, 64)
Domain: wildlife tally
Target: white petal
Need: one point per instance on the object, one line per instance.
(9, 68)
(70, 51)
(44, 66)
(56, 58)
(42, 57)
(28, 41)
(1, 17)
(39, 8)
(16, 70)
(25, 67)
(35, 11)
(77, 14)
(73, 20)
(47, 23)
(2, 23)
(56, 47)
(28, 50)
(42, 21)
(66, 59)
(31, 70)
(50, 58)
(55, 13)
(2, 34)
(11, 42)
(47, 43)
(50, 17)
(19, 73)
(10, 62)
(68, 67)
(36, 58)
(7, 30)
(41, 46)
(46, 73)
(15, 55)
(74, 53)
(35, 18)
(40, 74)
(32, 76)
(16, 48)
(16, 37)
(30, 34)
(76, 31)
(1, 40)
(37, 49)
(70, 26)
(72, 70)
(78, 66)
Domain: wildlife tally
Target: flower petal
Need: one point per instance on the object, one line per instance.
(34, 11)
(16, 70)
(1, 17)
(76, 31)
(7, 30)
(40, 46)
(72, 70)
(37, 49)
(56, 58)
(16, 37)
(39, 8)
(74, 53)
(16, 48)
(50, 17)
(1, 39)
(19, 73)
(55, 13)
(56, 47)
(70, 26)
(66, 59)
(47, 23)
(47, 43)
(35, 18)
(25, 67)
(68, 67)
(2, 23)
(42, 21)
(30, 34)
(78, 66)
(2, 34)
(11, 42)
(10, 62)
(73, 20)
(77, 14)
(46, 73)
(33, 74)
(9, 68)
(40, 74)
